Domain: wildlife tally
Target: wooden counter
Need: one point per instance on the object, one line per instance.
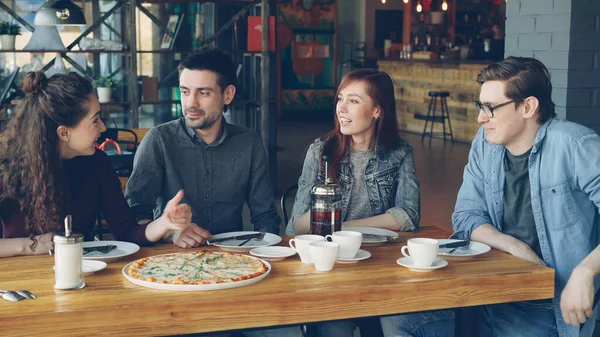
(414, 78)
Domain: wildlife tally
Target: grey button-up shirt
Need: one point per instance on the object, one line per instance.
(217, 178)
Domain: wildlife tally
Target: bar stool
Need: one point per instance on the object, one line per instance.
(431, 117)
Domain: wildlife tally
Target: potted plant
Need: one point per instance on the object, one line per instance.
(8, 32)
(104, 87)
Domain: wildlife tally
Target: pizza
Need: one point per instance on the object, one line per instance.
(200, 267)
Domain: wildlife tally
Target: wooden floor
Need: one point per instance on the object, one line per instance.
(439, 166)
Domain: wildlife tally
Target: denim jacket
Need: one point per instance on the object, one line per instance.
(564, 173)
(390, 178)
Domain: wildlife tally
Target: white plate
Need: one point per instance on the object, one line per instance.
(273, 253)
(123, 249)
(476, 248)
(195, 287)
(361, 255)
(375, 231)
(90, 266)
(408, 263)
(233, 245)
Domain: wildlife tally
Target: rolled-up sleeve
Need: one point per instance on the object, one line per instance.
(471, 209)
(407, 209)
(308, 179)
(145, 183)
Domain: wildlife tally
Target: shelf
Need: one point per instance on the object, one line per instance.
(116, 103)
(246, 2)
(68, 51)
(158, 51)
(163, 102)
(228, 2)
(166, 51)
(125, 61)
(101, 104)
(313, 31)
(235, 102)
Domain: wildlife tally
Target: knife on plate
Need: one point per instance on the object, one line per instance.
(101, 249)
(234, 237)
(456, 244)
(378, 237)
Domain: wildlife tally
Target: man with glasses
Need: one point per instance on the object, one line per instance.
(532, 189)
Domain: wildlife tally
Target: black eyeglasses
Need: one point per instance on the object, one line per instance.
(489, 109)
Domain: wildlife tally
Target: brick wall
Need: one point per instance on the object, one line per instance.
(412, 81)
(565, 35)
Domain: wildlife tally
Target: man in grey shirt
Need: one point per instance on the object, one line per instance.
(220, 166)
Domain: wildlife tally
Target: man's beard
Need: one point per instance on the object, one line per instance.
(202, 123)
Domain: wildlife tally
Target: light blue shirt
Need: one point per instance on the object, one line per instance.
(564, 173)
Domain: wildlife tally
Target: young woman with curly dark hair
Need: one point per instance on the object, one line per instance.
(49, 167)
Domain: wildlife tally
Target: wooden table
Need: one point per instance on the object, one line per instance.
(293, 293)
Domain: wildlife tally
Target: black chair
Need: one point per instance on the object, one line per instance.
(123, 163)
(113, 133)
(431, 117)
(284, 197)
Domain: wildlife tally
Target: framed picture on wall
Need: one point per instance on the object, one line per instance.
(173, 25)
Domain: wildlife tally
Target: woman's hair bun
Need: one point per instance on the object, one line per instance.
(34, 82)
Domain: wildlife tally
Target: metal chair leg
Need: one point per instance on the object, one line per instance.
(432, 120)
(449, 125)
(427, 118)
(444, 113)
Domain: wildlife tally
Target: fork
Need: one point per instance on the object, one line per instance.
(262, 235)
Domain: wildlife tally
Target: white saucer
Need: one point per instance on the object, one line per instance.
(361, 255)
(273, 253)
(408, 263)
(91, 266)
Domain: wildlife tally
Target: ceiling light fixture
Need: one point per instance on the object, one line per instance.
(59, 12)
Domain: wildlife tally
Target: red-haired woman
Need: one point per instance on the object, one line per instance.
(376, 171)
(373, 165)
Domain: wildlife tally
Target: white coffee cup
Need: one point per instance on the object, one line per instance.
(422, 251)
(323, 254)
(349, 242)
(300, 244)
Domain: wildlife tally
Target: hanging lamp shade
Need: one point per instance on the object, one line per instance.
(59, 12)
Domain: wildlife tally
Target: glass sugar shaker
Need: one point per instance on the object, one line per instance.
(68, 258)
